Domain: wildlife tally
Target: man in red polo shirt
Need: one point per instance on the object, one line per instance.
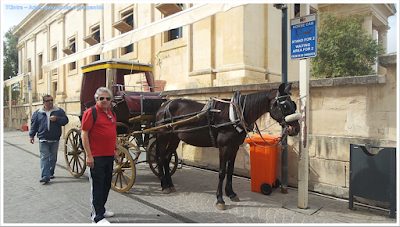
(100, 143)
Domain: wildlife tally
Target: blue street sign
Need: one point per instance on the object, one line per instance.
(303, 35)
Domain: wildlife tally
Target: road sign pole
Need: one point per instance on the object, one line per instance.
(303, 34)
(303, 169)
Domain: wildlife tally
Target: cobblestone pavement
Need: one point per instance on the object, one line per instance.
(65, 199)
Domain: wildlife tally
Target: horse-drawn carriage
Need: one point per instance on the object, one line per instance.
(144, 123)
(134, 109)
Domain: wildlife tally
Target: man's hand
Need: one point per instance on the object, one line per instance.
(32, 140)
(116, 154)
(53, 118)
(90, 161)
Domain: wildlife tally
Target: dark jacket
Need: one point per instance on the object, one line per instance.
(39, 124)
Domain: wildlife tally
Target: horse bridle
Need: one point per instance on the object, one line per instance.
(287, 107)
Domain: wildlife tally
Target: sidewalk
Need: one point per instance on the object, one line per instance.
(66, 199)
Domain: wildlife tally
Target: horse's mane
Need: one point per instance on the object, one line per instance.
(256, 105)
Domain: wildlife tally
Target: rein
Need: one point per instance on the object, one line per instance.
(283, 137)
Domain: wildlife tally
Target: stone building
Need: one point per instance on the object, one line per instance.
(240, 46)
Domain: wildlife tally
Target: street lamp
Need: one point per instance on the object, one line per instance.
(283, 7)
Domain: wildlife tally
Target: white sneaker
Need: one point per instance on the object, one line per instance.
(103, 222)
(108, 214)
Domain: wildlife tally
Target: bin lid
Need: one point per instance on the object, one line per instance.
(269, 138)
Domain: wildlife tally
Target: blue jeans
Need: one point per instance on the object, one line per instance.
(48, 158)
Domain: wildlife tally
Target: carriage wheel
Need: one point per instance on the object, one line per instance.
(152, 160)
(124, 172)
(75, 155)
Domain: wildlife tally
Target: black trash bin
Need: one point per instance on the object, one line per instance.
(373, 174)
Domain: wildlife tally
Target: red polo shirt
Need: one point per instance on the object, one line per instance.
(102, 134)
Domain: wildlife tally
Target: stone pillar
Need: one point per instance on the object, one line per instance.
(382, 38)
(49, 74)
(33, 68)
(367, 25)
(62, 73)
(374, 36)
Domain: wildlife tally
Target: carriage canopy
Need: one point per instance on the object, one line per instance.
(109, 73)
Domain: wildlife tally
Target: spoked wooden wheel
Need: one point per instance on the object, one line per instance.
(75, 155)
(124, 172)
(152, 160)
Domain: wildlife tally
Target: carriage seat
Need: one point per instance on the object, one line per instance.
(140, 103)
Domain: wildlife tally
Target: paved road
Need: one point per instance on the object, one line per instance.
(66, 199)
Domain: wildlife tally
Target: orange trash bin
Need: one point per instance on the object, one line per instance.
(263, 163)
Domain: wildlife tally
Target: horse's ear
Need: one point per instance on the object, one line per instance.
(282, 88)
(288, 87)
(285, 88)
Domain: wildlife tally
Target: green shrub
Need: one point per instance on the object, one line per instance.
(344, 48)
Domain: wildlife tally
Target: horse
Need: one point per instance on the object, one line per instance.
(214, 127)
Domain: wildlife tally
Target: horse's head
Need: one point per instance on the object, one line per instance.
(283, 110)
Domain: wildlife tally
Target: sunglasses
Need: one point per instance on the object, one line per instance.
(112, 120)
(50, 100)
(102, 98)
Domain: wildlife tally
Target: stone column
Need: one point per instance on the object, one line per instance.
(49, 74)
(382, 38)
(367, 24)
(62, 69)
(33, 68)
(374, 36)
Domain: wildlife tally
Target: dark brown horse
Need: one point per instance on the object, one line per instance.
(215, 129)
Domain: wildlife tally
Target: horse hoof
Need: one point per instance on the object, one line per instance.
(221, 206)
(235, 199)
(166, 191)
(172, 189)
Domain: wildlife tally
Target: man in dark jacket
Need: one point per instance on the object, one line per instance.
(47, 122)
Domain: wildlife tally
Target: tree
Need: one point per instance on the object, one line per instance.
(344, 48)
(10, 62)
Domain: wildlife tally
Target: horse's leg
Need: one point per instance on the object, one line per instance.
(228, 188)
(223, 153)
(172, 145)
(162, 143)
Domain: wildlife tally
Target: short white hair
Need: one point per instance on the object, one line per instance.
(102, 89)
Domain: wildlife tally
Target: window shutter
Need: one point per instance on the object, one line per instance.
(122, 26)
(90, 38)
(69, 49)
(168, 8)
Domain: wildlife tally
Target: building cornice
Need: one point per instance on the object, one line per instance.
(378, 12)
(37, 17)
